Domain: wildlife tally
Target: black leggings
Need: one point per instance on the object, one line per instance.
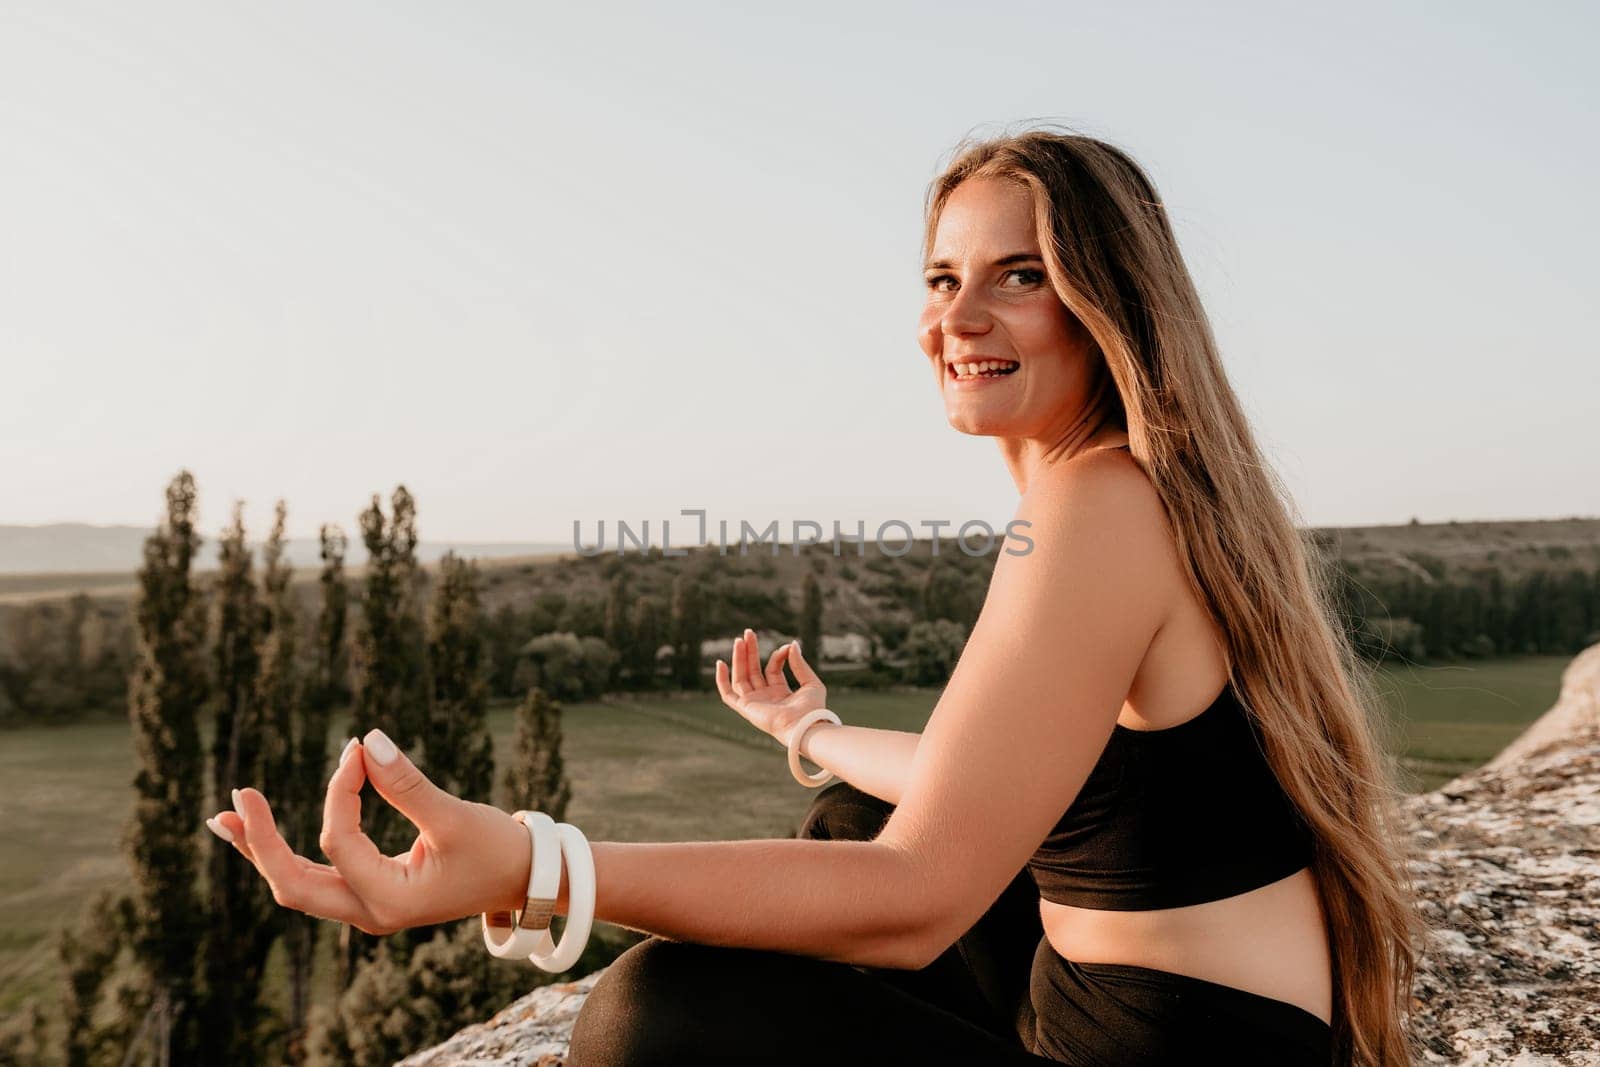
(1000, 995)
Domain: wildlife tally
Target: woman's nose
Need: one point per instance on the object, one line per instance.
(964, 315)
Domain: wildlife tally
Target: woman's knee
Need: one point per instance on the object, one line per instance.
(841, 812)
(676, 1002)
(627, 1016)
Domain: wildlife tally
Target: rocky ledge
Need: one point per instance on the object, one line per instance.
(1506, 861)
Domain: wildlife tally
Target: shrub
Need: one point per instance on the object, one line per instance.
(567, 667)
(934, 648)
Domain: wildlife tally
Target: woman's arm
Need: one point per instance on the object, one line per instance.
(855, 902)
(851, 901)
(874, 761)
(862, 932)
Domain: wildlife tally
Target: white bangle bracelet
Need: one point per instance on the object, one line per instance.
(580, 902)
(810, 719)
(513, 935)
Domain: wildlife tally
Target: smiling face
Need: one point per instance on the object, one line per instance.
(989, 300)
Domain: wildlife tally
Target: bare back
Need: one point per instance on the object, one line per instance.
(1269, 941)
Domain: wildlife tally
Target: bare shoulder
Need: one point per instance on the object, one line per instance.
(1037, 690)
(1106, 499)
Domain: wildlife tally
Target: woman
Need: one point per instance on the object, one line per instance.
(1147, 821)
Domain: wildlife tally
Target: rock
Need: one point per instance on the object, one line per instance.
(1507, 866)
(1506, 861)
(531, 1031)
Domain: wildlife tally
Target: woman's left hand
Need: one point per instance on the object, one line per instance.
(468, 857)
(763, 697)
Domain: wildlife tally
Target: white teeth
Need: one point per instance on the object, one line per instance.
(967, 370)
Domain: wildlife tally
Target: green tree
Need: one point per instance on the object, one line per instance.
(1568, 608)
(506, 635)
(460, 753)
(947, 593)
(276, 705)
(397, 1006)
(24, 1038)
(278, 685)
(583, 616)
(646, 641)
(236, 626)
(389, 674)
(687, 631)
(567, 666)
(536, 777)
(327, 688)
(63, 660)
(934, 647)
(166, 692)
(619, 621)
(87, 952)
(811, 617)
(241, 915)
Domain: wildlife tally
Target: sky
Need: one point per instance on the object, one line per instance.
(547, 263)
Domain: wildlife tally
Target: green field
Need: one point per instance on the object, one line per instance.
(663, 769)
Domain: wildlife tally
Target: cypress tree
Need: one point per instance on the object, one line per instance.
(389, 674)
(237, 626)
(536, 777)
(278, 689)
(242, 921)
(1594, 607)
(327, 689)
(276, 704)
(505, 639)
(394, 1008)
(687, 631)
(459, 749)
(811, 617)
(646, 640)
(420, 976)
(165, 694)
(24, 1036)
(618, 622)
(88, 953)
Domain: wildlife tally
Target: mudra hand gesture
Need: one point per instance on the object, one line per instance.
(468, 858)
(764, 697)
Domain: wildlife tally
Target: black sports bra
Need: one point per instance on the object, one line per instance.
(1174, 817)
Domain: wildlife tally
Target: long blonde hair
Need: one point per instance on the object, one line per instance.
(1111, 256)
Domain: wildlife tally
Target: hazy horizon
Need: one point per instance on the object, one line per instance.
(542, 265)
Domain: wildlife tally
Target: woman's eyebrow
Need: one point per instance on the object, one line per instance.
(1003, 261)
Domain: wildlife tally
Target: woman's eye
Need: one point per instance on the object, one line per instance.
(1028, 276)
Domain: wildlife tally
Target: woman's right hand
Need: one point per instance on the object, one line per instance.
(764, 697)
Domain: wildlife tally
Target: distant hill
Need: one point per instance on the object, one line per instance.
(1436, 550)
(1410, 592)
(41, 562)
(78, 548)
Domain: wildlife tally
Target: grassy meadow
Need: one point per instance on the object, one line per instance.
(660, 768)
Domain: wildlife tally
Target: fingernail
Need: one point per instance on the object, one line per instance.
(236, 806)
(381, 747)
(797, 644)
(220, 830)
(348, 745)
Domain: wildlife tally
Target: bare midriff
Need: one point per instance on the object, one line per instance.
(1269, 941)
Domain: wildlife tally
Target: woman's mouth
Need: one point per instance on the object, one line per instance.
(972, 374)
